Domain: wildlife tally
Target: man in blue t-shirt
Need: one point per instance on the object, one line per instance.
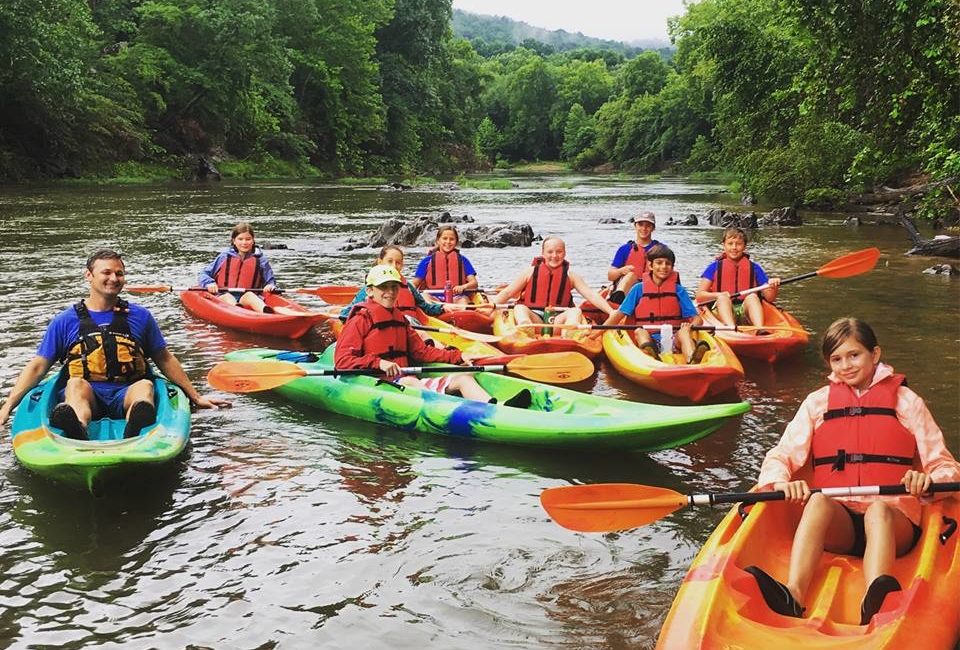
(630, 261)
(105, 380)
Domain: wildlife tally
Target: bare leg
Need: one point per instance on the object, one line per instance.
(626, 282)
(523, 314)
(252, 301)
(141, 391)
(228, 298)
(79, 395)
(753, 309)
(825, 524)
(468, 387)
(686, 343)
(889, 535)
(724, 307)
(574, 316)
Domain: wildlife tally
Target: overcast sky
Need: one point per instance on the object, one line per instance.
(621, 20)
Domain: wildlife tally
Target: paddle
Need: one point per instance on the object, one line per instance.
(656, 328)
(253, 376)
(609, 507)
(845, 266)
(467, 334)
(335, 295)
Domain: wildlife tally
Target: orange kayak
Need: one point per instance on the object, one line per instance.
(287, 325)
(766, 347)
(719, 371)
(532, 341)
(719, 605)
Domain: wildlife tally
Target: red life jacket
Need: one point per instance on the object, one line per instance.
(443, 267)
(405, 300)
(659, 304)
(733, 276)
(548, 287)
(637, 258)
(240, 273)
(861, 441)
(387, 338)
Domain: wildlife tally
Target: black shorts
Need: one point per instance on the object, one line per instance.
(860, 534)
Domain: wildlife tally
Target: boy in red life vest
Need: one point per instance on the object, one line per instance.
(378, 336)
(865, 428)
(240, 266)
(659, 299)
(547, 283)
(446, 264)
(630, 261)
(734, 271)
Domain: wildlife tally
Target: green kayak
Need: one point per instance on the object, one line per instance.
(557, 418)
(41, 448)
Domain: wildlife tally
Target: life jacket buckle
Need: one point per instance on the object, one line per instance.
(855, 410)
(841, 462)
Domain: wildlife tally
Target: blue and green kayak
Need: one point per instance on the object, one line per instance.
(557, 418)
(40, 447)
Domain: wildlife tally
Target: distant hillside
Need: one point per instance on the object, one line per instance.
(491, 34)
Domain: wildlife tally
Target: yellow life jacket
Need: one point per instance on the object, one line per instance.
(105, 352)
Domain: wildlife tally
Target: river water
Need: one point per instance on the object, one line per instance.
(287, 526)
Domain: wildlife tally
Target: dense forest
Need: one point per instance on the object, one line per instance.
(801, 100)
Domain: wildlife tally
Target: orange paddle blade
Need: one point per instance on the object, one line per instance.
(851, 264)
(333, 294)
(610, 506)
(253, 376)
(553, 367)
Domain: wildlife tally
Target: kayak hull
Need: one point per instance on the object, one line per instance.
(558, 417)
(41, 448)
(471, 319)
(771, 347)
(719, 371)
(208, 307)
(719, 605)
(530, 341)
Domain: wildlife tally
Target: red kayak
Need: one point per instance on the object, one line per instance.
(287, 325)
(789, 339)
(473, 320)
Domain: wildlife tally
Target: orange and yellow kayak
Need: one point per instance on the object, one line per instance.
(719, 370)
(719, 605)
(532, 340)
(770, 347)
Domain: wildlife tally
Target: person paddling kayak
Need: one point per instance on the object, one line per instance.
(445, 267)
(377, 336)
(630, 261)
(866, 427)
(242, 265)
(549, 282)
(104, 341)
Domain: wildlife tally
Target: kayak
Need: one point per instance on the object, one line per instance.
(766, 347)
(208, 307)
(532, 340)
(719, 605)
(452, 340)
(474, 320)
(719, 370)
(557, 417)
(40, 447)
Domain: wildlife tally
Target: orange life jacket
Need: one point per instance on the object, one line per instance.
(387, 338)
(443, 267)
(659, 304)
(733, 276)
(548, 287)
(861, 441)
(105, 352)
(240, 273)
(405, 300)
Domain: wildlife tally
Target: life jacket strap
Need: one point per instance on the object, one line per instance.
(858, 411)
(839, 462)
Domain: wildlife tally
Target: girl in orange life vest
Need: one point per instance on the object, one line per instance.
(734, 271)
(241, 266)
(444, 263)
(549, 283)
(866, 427)
(377, 336)
(630, 261)
(657, 299)
(409, 299)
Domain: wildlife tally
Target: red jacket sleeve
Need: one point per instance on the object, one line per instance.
(349, 352)
(420, 352)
